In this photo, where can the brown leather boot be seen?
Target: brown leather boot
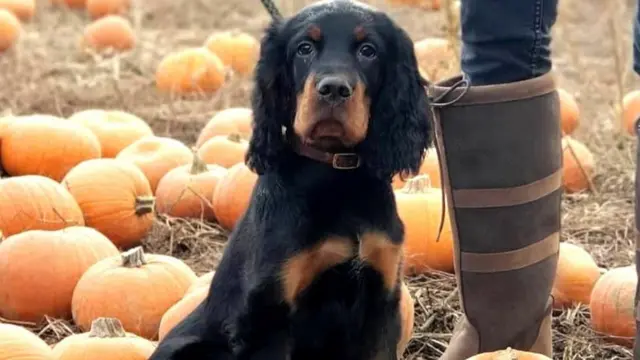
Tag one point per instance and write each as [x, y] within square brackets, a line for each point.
[501, 162]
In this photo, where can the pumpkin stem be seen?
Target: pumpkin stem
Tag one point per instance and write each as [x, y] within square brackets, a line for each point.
[417, 184]
[144, 205]
[234, 137]
[508, 354]
[104, 327]
[133, 258]
[197, 166]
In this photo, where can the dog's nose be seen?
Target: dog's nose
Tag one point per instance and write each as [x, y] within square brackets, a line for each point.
[334, 88]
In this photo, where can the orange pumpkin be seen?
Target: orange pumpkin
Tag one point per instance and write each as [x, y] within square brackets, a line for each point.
[100, 8]
[34, 202]
[23, 9]
[233, 194]
[10, 29]
[114, 129]
[420, 208]
[135, 287]
[229, 121]
[73, 4]
[186, 191]
[576, 274]
[51, 263]
[47, 146]
[180, 310]
[109, 32]
[225, 151]
[407, 315]
[435, 57]
[630, 111]
[509, 354]
[190, 70]
[115, 198]
[107, 339]
[17, 343]
[612, 305]
[236, 49]
[203, 280]
[156, 156]
[430, 166]
[578, 165]
[569, 112]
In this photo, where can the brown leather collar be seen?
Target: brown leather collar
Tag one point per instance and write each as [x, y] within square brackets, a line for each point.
[341, 161]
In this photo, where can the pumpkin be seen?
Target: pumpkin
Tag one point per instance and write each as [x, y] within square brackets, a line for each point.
[47, 146]
[431, 5]
[73, 4]
[51, 263]
[187, 190]
[509, 354]
[229, 121]
[100, 8]
[134, 287]
[407, 314]
[578, 165]
[569, 112]
[203, 280]
[156, 156]
[236, 49]
[34, 202]
[180, 310]
[435, 56]
[430, 166]
[109, 32]
[612, 305]
[576, 274]
[420, 208]
[107, 340]
[114, 129]
[10, 29]
[233, 194]
[23, 9]
[190, 70]
[115, 198]
[225, 151]
[630, 111]
[18, 343]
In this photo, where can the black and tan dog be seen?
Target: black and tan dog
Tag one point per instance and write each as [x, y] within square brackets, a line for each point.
[313, 268]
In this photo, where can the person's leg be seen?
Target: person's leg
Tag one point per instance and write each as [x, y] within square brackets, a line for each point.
[501, 160]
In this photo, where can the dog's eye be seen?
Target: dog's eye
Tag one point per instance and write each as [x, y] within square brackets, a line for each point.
[367, 50]
[305, 48]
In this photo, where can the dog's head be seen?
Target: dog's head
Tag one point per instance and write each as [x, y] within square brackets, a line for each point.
[340, 76]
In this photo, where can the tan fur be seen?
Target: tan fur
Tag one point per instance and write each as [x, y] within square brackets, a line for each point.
[377, 250]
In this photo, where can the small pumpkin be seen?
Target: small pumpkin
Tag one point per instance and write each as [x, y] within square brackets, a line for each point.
[51, 263]
[509, 354]
[236, 49]
[569, 112]
[109, 32]
[10, 29]
[578, 165]
[47, 146]
[100, 8]
[430, 166]
[23, 9]
[115, 198]
[203, 280]
[114, 129]
[73, 4]
[420, 209]
[224, 151]
[34, 202]
[407, 316]
[17, 343]
[156, 156]
[630, 111]
[181, 310]
[135, 287]
[233, 195]
[576, 275]
[612, 305]
[107, 339]
[236, 120]
[435, 57]
[190, 70]
[187, 190]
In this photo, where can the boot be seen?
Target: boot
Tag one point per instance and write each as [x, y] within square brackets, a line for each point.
[501, 162]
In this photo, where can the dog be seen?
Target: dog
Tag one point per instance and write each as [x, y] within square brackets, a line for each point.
[313, 268]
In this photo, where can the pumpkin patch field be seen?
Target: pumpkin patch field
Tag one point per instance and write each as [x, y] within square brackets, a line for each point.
[123, 129]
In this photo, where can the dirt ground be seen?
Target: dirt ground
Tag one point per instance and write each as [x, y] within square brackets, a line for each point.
[47, 73]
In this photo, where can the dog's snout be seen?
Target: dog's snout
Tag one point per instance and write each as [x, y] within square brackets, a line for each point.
[334, 88]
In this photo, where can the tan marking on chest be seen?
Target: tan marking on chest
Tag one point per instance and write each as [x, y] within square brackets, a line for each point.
[377, 250]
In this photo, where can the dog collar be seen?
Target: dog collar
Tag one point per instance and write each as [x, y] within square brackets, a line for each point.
[341, 161]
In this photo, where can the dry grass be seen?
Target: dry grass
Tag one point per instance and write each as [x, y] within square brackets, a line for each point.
[47, 73]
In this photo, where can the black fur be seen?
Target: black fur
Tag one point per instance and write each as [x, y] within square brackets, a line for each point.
[346, 313]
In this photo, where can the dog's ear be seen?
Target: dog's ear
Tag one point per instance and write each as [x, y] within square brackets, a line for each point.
[272, 101]
[400, 127]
